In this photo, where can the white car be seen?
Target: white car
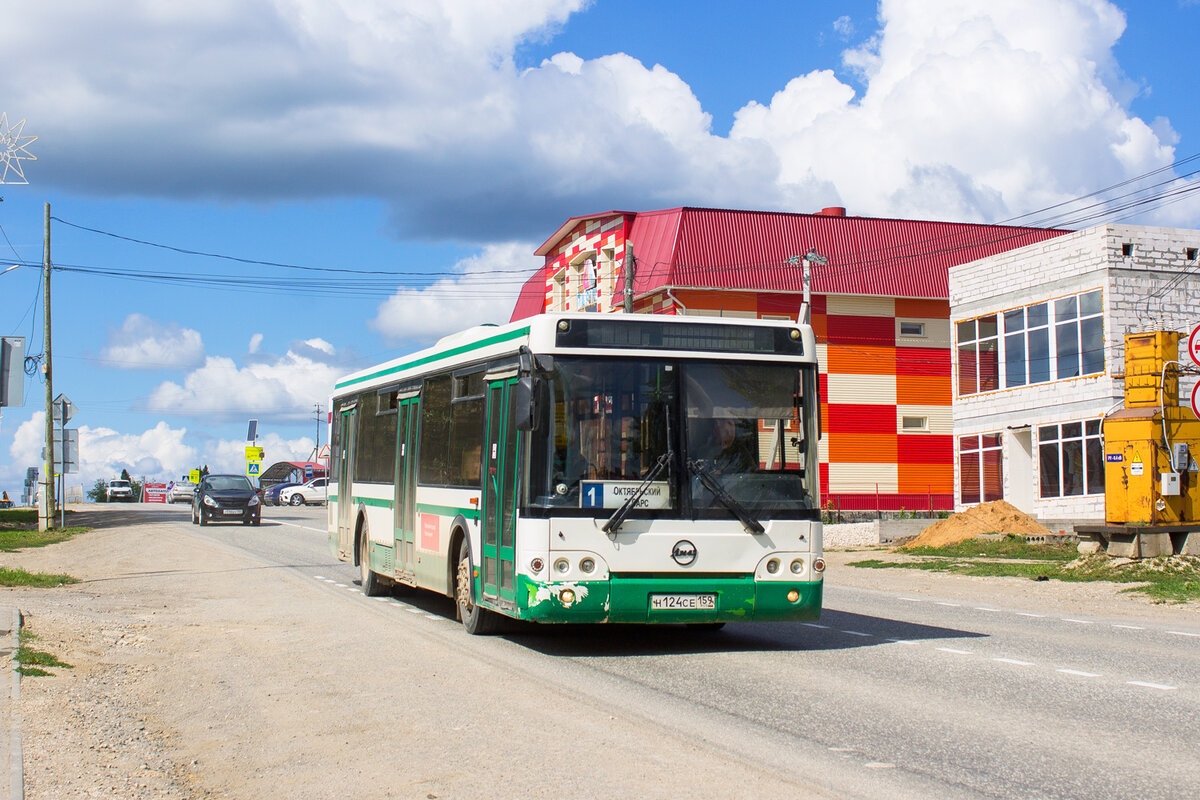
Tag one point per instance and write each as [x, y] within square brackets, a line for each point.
[181, 492]
[120, 491]
[311, 492]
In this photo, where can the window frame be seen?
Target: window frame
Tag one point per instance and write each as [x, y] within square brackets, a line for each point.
[1090, 452]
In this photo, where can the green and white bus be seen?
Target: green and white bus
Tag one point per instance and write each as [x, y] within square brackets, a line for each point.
[588, 468]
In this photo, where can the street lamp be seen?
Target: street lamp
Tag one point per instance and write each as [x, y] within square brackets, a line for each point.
[808, 259]
[10, 269]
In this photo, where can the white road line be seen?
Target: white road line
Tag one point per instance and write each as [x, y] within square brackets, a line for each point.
[1152, 685]
[956, 652]
[341, 585]
[815, 625]
[1080, 621]
[842, 750]
[857, 633]
[1130, 627]
[1079, 673]
[320, 577]
[1014, 661]
[981, 608]
[910, 599]
[879, 765]
[302, 527]
[1183, 633]
[412, 610]
[903, 641]
[943, 603]
[1027, 614]
[383, 599]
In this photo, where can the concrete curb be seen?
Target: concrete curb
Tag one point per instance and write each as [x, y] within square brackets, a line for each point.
[16, 762]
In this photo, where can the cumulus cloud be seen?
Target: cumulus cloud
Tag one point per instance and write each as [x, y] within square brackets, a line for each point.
[961, 110]
[144, 343]
[158, 453]
[286, 386]
[484, 291]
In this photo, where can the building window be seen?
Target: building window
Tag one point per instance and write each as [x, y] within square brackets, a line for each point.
[1071, 459]
[1127, 250]
[978, 356]
[980, 467]
[1026, 346]
[916, 329]
[1079, 335]
[558, 301]
[909, 424]
[1191, 253]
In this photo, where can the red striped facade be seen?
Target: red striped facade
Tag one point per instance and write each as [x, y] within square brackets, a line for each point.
[880, 311]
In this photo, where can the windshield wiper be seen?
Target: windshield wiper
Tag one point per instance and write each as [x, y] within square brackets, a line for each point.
[614, 522]
[748, 522]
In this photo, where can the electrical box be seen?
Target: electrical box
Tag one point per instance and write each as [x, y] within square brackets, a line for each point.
[1170, 484]
[1181, 458]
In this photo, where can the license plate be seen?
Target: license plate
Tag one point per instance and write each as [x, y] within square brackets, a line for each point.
[683, 602]
[232, 511]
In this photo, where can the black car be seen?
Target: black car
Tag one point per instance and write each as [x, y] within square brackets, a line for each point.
[226, 498]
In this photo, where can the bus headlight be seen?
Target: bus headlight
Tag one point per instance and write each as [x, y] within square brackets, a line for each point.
[773, 566]
[562, 566]
[588, 565]
[797, 566]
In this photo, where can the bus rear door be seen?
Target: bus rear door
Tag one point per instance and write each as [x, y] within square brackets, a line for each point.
[406, 489]
[347, 419]
[500, 486]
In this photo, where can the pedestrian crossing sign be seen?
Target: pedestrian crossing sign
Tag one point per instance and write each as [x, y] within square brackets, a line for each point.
[252, 468]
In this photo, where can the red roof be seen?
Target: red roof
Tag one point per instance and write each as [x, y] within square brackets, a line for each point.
[749, 250]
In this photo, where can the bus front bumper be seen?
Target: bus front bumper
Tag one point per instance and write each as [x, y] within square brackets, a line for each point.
[629, 599]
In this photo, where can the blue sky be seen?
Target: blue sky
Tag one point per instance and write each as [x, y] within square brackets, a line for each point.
[439, 143]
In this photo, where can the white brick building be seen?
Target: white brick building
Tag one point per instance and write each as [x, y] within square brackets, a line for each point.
[1039, 356]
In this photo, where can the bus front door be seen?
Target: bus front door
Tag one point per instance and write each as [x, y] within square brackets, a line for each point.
[406, 490]
[347, 419]
[500, 487]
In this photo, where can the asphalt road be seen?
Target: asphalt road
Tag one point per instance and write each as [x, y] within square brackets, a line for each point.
[889, 695]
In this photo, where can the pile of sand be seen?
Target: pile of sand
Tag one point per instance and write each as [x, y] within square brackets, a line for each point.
[994, 517]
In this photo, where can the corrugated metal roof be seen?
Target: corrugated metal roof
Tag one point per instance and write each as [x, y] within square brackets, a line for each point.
[748, 250]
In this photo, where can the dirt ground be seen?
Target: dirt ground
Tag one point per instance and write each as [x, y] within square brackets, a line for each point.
[201, 674]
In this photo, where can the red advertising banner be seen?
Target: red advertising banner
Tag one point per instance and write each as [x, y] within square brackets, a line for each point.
[154, 493]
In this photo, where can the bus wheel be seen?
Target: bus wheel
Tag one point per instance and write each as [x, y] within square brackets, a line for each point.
[478, 621]
[371, 585]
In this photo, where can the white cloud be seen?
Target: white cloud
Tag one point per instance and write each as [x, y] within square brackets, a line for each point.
[967, 111]
[255, 343]
[144, 343]
[287, 386]
[158, 453]
[843, 26]
[478, 295]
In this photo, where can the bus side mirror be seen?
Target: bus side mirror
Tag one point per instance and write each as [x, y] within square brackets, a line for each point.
[525, 404]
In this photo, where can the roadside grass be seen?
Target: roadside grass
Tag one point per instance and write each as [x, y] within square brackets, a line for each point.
[1174, 579]
[18, 516]
[15, 576]
[1011, 546]
[11, 540]
[33, 663]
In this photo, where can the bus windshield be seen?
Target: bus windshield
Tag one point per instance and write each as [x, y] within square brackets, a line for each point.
[738, 433]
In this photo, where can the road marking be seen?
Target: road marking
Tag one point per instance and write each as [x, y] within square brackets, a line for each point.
[1014, 661]
[1079, 673]
[1183, 633]
[943, 603]
[857, 633]
[302, 527]
[1027, 614]
[1151, 685]
[879, 765]
[341, 585]
[320, 577]
[956, 652]
[1130, 627]
[842, 750]
[815, 625]
[981, 608]
[1080, 621]
[412, 610]
[911, 599]
[903, 641]
[383, 599]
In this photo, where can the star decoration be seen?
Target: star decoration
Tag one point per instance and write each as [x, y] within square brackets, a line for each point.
[13, 150]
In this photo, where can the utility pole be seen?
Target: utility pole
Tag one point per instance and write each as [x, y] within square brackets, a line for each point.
[46, 508]
[630, 266]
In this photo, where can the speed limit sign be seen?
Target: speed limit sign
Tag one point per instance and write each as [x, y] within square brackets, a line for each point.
[1194, 345]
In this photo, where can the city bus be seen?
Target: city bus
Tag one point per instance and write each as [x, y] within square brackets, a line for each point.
[590, 468]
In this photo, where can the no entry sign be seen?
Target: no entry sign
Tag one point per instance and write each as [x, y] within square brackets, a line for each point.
[1194, 345]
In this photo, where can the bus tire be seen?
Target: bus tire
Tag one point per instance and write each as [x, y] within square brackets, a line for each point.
[372, 586]
[477, 620]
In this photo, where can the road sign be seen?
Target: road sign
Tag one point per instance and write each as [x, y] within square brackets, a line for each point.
[1194, 345]
[72, 450]
[308, 472]
[253, 468]
[1196, 400]
[62, 404]
[194, 476]
[254, 453]
[12, 371]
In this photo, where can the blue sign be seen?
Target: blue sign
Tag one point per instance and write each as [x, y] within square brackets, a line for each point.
[308, 472]
[591, 495]
[1114, 457]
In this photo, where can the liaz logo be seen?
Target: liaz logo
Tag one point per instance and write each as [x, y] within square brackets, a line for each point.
[683, 553]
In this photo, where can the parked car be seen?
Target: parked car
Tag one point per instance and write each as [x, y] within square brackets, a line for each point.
[119, 490]
[181, 491]
[271, 495]
[226, 498]
[312, 492]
